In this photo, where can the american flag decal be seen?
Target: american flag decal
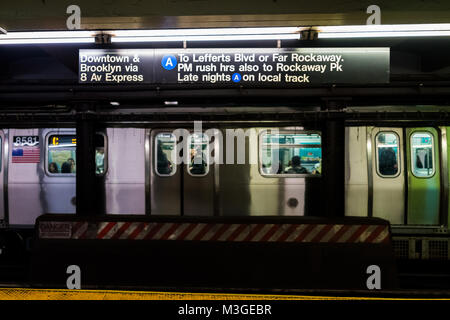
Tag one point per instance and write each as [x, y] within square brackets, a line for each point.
[26, 154]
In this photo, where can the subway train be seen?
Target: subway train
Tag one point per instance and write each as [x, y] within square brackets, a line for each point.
[400, 174]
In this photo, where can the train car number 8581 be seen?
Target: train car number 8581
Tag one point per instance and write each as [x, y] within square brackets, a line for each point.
[26, 141]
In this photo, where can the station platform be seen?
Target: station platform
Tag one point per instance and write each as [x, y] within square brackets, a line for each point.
[65, 294]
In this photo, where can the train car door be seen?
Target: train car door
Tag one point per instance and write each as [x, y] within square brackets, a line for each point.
[59, 169]
[180, 188]
[198, 179]
[388, 174]
[3, 162]
[165, 177]
[423, 176]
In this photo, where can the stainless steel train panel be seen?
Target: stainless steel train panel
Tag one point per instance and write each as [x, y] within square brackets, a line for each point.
[125, 176]
[180, 193]
[388, 190]
[198, 192]
[32, 191]
[231, 189]
[198, 186]
[262, 200]
[367, 191]
[356, 174]
[244, 191]
[424, 176]
[58, 191]
[24, 190]
[165, 191]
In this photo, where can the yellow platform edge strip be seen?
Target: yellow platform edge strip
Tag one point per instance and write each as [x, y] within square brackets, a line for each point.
[64, 294]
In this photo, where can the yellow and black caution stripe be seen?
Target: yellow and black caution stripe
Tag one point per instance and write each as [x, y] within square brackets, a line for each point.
[64, 294]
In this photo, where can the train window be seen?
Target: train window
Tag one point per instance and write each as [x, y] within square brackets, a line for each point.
[290, 154]
[100, 163]
[61, 154]
[198, 151]
[387, 145]
[165, 154]
[422, 154]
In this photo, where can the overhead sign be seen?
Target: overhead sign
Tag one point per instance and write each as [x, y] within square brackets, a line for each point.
[247, 67]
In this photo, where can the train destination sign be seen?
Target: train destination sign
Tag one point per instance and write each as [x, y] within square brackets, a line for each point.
[248, 67]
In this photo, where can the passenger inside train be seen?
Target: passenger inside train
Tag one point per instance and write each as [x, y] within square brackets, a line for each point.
[387, 156]
[296, 166]
[53, 167]
[317, 168]
[197, 165]
[72, 165]
[291, 153]
[388, 162]
[100, 160]
[66, 167]
[163, 164]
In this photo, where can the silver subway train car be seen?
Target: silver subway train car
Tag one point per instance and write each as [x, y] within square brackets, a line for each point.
[137, 182]
[396, 173]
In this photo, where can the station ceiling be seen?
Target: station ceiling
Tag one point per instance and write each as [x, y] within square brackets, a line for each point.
[138, 14]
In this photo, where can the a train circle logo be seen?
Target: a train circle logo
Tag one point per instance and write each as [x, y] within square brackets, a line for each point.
[236, 77]
[169, 62]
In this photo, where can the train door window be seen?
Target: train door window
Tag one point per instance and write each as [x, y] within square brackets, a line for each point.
[198, 151]
[290, 154]
[165, 144]
[422, 154]
[387, 145]
[61, 154]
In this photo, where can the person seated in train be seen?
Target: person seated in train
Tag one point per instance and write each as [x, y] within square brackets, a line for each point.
[317, 168]
[198, 165]
[52, 167]
[66, 167]
[196, 152]
[163, 164]
[422, 160]
[100, 160]
[296, 166]
[388, 161]
[72, 165]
